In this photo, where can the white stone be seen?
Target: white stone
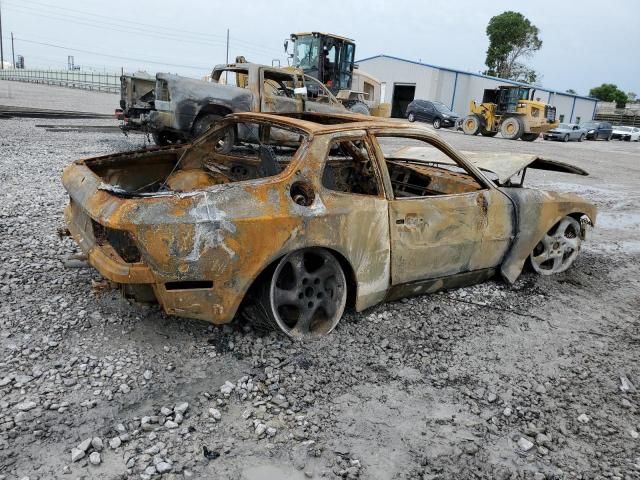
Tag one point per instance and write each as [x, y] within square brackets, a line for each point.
[507, 412]
[94, 458]
[583, 418]
[227, 388]
[124, 388]
[260, 429]
[215, 413]
[26, 406]
[524, 444]
[171, 424]
[96, 443]
[147, 374]
[85, 444]
[181, 407]
[76, 454]
[163, 467]
[115, 442]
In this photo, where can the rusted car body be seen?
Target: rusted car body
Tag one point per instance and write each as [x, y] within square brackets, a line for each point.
[336, 220]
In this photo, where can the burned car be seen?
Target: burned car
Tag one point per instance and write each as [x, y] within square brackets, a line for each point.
[306, 214]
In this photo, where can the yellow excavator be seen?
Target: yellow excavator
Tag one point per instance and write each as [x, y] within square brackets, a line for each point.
[512, 111]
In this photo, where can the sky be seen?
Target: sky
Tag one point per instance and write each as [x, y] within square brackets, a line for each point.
[585, 43]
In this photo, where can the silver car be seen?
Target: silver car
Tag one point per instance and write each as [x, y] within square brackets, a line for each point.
[566, 132]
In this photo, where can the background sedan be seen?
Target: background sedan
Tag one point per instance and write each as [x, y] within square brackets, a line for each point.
[596, 130]
[566, 132]
[630, 134]
[436, 113]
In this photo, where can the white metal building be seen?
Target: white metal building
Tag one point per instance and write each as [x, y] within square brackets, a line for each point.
[403, 80]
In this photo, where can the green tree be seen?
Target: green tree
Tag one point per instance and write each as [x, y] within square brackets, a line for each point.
[632, 96]
[608, 92]
[512, 37]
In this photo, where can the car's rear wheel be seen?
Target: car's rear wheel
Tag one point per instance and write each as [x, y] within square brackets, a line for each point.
[608, 137]
[307, 293]
[436, 123]
[565, 138]
[558, 249]
[411, 117]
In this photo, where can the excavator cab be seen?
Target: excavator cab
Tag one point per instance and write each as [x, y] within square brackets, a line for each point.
[327, 57]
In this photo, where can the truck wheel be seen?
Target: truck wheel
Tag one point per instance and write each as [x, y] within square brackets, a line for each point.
[512, 128]
[202, 124]
[471, 124]
[530, 137]
[356, 106]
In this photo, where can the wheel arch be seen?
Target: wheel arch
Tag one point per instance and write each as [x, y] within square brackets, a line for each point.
[347, 268]
[535, 220]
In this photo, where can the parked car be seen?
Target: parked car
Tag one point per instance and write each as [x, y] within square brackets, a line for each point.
[630, 134]
[566, 132]
[596, 130]
[358, 211]
[436, 113]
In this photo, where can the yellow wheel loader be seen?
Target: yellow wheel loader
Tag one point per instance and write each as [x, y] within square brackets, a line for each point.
[512, 111]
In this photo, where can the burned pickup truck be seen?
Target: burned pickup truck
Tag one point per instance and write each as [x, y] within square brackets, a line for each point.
[184, 108]
[357, 211]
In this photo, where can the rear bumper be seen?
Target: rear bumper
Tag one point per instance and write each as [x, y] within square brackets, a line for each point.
[103, 258]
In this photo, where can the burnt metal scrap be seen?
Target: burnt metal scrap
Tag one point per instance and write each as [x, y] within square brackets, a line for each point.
[297, 216]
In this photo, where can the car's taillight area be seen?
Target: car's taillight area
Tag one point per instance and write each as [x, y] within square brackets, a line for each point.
[122, 242]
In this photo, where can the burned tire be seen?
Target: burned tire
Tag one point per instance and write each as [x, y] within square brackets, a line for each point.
[558, 249]
[164, 138]
[356, 106]
[512, 128]
[202, 124]
[471, 124]
[306, 294]
[530, 137]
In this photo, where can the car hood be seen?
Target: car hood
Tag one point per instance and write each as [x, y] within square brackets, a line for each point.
[503, 165]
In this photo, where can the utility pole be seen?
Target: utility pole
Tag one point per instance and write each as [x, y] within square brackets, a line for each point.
[226, 74]
[13, 53]
[1, 49]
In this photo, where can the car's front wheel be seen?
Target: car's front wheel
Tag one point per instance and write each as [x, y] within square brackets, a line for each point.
[411, 117]
[558, 249]
[436, 123]
[582, 137]
[565, 138]
[306, 294]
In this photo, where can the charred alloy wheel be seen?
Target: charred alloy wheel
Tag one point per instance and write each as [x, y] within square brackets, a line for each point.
[558, 248]
[308, 293]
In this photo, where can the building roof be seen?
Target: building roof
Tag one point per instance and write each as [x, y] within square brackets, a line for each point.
[502, 80]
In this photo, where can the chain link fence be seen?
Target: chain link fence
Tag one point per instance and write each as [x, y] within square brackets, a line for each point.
[99, 82]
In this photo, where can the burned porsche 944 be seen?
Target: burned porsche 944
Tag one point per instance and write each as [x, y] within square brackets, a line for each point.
[306, 214]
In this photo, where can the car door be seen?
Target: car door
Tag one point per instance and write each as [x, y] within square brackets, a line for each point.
[575, 132]
[429, 112]
[445, 218]
[277, 91]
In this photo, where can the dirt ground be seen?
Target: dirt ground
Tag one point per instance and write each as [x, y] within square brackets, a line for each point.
[533, 381]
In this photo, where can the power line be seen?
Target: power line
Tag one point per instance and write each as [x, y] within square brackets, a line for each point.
[113, 56]
[182, 35]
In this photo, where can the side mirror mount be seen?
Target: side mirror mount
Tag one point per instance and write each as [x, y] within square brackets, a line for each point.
[300, 91]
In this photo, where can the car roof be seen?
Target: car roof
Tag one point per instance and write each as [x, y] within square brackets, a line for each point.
[320, 123]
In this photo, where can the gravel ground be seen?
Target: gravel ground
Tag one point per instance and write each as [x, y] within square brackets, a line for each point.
[533, 381]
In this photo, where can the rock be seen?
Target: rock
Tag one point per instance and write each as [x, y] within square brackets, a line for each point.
[583, 418]
[171, 424]
[524, 444]
[150, 470]
[540, 389]
[77, 454]
[507, 412]
[271, 431]
[163, 467]
[626, 385]
[181, 408]
[147, 374]
[634, 433]
[492, 397]
[115, 442]
[96, 443]
[124, 388]
[227, 388]
[85, 444]
[94, 458]
[166, 411]
[26, 406]
[260, 429]
[215, 413]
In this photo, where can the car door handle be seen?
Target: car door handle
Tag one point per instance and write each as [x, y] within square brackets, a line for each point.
[411, 220]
